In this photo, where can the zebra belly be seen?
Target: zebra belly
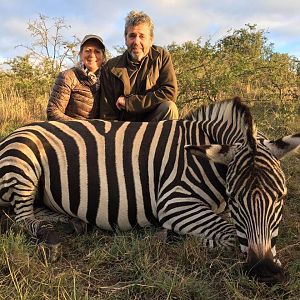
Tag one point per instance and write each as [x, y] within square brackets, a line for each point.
[107, 214]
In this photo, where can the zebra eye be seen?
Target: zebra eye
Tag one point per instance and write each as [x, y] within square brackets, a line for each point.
[231, 201]
[234, 204]
[281, 198]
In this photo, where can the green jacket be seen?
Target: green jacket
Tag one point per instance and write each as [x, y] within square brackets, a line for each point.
[156, 84]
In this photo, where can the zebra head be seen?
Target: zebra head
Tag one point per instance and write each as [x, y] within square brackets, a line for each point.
[256, 188]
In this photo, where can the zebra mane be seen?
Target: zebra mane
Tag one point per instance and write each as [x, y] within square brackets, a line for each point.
[232, 113]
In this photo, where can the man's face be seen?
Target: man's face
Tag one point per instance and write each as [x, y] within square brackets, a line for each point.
[138, 41]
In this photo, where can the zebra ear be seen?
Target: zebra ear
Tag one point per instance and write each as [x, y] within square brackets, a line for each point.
[222, 154]
[284, 145]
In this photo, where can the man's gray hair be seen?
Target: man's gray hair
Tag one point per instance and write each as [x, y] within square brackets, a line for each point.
[135, 18]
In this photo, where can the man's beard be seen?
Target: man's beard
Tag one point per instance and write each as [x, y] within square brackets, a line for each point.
[136, 56]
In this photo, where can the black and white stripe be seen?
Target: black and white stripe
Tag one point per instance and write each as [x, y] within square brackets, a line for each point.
[131, 174]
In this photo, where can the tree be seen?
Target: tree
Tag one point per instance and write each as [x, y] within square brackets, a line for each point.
[242, 63]
[192, 64]
[33, 74]
[30, 81]
[50, 49]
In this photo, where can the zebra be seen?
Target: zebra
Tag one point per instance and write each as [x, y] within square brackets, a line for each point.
[181, 175]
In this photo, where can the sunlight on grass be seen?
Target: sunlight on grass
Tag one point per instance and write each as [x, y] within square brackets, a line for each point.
[15, 111]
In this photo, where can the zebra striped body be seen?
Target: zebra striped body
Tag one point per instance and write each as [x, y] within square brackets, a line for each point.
[76, 167]
[130, 174]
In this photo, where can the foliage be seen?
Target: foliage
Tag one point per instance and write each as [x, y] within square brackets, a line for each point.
[242, 63]
[33, 74]
[28, 80]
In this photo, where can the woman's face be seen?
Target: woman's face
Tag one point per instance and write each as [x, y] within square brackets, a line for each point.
[91, 55]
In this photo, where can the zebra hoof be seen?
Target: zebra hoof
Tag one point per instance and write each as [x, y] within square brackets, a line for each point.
[169, 236]
[50, 253]
[47, 234]
[173, 237]
[79, 226]
[49, 242]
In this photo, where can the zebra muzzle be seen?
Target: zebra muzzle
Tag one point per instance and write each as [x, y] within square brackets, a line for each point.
[265, 269]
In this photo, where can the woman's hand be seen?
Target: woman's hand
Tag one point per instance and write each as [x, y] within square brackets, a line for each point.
[120, 103]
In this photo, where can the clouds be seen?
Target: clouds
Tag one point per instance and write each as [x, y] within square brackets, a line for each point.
[175, 20]
[280, 18]
[11, 33]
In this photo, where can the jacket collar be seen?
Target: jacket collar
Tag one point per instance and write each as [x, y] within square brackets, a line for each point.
[120, 68]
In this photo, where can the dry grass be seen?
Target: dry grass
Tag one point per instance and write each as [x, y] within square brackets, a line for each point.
[15, 111]
[135, 265]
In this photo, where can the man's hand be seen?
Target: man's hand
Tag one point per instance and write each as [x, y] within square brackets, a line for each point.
[120, 103]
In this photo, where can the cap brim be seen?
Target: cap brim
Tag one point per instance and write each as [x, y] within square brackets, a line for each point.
[93, 38]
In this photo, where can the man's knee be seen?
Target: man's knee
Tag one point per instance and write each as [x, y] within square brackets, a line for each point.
[164, 111]
[167, 110]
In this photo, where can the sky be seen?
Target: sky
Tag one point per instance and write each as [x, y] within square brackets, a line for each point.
[174, 20]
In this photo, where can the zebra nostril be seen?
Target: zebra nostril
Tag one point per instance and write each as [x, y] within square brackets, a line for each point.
[266, 271]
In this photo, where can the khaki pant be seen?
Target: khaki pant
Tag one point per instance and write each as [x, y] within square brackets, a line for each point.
[164, 111]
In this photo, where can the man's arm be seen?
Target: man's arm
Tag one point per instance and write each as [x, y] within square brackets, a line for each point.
[164, 89]
[108, 109]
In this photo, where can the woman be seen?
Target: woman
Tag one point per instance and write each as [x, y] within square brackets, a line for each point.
[75, 94]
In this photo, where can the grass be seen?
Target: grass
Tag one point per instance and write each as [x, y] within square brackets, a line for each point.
[15, 111]
[138, 264]
[134, 265]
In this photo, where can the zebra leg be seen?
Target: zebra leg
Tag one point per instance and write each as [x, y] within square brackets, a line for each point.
[45, 235]
[173, 237]
[73, 224]
[169, 236]
[40, 230]
[189, 217]
[18, 187]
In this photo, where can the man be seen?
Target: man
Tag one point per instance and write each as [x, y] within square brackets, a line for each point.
[140, 84]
